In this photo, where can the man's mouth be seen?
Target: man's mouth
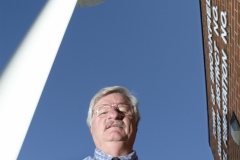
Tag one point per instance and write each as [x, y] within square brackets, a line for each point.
[110, 124]
[113, 125]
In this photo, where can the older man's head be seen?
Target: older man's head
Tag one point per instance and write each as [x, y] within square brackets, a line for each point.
[113, 118]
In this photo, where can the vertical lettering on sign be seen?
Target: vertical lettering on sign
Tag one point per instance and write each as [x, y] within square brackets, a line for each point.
[224, 155]
[213, 96]
[214, 122]
[223, 26]
[219, 135]
[211, 67]
[217, 75]
[224, 96]
[215, 19]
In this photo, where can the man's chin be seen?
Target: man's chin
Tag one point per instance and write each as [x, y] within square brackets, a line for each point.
[116, 139]
[115, 135]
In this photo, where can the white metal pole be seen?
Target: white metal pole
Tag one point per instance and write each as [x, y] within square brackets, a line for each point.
[23, 79]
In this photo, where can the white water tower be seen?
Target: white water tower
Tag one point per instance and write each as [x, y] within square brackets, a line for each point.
[23, 79]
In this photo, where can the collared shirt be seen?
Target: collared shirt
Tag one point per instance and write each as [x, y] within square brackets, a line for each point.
[100, 155]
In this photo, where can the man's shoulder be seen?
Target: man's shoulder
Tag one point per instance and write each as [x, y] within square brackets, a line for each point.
[88, 158]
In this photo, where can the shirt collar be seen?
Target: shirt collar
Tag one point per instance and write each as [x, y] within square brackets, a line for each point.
[100, 155]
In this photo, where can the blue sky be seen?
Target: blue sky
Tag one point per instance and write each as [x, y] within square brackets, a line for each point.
[154, 48]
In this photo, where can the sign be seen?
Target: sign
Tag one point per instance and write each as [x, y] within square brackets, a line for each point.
[218, 73]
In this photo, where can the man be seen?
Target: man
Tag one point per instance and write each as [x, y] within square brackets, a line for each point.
[113, 118]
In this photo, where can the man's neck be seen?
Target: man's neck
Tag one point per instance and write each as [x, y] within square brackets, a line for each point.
[116, 149]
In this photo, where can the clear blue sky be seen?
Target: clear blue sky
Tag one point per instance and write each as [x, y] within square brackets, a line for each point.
[154, 48]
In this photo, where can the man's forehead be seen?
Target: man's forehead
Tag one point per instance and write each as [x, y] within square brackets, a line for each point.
[112, 98]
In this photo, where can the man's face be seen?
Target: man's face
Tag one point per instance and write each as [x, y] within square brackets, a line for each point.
[106, 129]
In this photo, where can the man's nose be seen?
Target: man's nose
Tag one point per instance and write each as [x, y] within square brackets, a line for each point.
[114, 113]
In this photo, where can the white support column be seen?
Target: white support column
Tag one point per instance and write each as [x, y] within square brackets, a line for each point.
[23, 79]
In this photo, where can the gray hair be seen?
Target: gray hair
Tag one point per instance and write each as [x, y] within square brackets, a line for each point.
[114, 89]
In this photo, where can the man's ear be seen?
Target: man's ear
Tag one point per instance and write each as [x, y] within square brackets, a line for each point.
[90, 128]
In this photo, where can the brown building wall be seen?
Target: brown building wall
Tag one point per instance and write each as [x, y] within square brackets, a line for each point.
[226, 15]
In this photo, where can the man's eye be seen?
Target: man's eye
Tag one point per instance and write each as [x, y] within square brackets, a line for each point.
[102, 113]
[124, 110]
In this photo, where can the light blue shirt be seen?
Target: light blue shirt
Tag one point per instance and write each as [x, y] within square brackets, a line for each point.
[100, 155]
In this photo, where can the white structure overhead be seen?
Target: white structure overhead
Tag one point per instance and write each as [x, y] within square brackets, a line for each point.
[88, 3]
[23, 79]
